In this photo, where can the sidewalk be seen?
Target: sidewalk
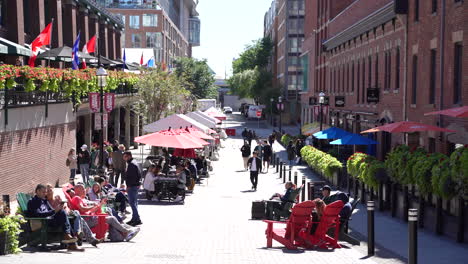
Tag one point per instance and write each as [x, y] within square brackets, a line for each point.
[391, 234]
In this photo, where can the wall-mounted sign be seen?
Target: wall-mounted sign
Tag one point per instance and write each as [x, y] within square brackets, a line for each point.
[109, 101]
[373, 95]
[339, 101]
[94, 102]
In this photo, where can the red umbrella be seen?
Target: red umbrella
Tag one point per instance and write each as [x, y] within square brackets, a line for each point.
[198, 133]
[406, 126]
[455, 112]
[195, 139]
[185, 153]
[168, 139]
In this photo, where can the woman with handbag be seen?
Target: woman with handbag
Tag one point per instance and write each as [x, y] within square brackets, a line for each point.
[72, 163]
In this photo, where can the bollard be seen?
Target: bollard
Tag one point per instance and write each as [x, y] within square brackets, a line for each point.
[413, 236]
[281, 169]
[303, 188]
[273, 157]
[295, 178]
[290, 172]
[370, 228]
[284, 172]
[277, 163]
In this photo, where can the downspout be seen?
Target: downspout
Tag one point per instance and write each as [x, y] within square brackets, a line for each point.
[441, 64]
[405, 76]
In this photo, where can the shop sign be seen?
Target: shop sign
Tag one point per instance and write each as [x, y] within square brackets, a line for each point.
[94, 102]
[109, 101]
[339, 101]
[373, 95]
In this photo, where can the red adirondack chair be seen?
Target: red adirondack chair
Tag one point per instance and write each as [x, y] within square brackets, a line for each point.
[330, 219]
[289, 236]
[101, 228]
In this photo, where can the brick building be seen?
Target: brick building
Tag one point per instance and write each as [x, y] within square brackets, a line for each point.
[35, 136]
[360, 53]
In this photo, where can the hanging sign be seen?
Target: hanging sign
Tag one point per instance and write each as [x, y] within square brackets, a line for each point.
[109, 101]
[105, 119]
[94, 102]
[97, 121]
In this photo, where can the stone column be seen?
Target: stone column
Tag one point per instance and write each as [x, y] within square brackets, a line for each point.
[110, 42]
[88, 129]
[36, 13]
[93, 25]
[127, 127]
[14, 21]
[117, 124]
[83, 25]
[103, 38]
[69, 23]
[136, 129]
[118, 47]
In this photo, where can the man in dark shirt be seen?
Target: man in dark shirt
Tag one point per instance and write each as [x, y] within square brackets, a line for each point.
[38, 206]
[84, 159]
[255, 166]
[133, 174]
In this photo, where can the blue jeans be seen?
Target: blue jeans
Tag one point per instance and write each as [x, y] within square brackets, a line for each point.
[72, 175]
[84, 168]
[61, 219]
[133, 201]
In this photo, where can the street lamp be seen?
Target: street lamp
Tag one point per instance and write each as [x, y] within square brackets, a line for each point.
[101, 75]
[271, 110]
[280, 108]
[321, 102]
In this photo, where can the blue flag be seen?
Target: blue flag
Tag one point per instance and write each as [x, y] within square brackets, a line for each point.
[75, 56]
[124, 60]
[150, 63]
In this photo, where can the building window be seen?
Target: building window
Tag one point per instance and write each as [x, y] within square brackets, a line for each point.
[358, 80]
[434, 6]
[432, 77]
[397, 68]
[352, 76]
[388, 70]
[293, 61]
[2, 12]
[363, 79]
[135, 22]
[415, 80]
[153, 39]
[416, 10]
[150, 20]
[369, 74]
[376, 71]
[348, 86]
[136, 41]
[458, 74]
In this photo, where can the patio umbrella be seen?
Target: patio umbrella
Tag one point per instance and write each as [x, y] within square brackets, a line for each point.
[215, 113]
[354, 139]
[406, 126]
[168, 139]
[331, 133]
[455, 112]
[63, 54]
[194, 138]
[198, 133]
[185, 153]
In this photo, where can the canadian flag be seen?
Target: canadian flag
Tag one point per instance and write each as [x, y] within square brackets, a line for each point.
[88, 48]
[42, 40]
[141, 59]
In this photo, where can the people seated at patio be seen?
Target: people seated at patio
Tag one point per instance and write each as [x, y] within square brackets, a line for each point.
[281, 199]
[329, 198]
[38, 206]
[79, 202]
[317, 214]
[179, 190]
[107, 188]
[290, 186]
[95, 193]
[154, 172]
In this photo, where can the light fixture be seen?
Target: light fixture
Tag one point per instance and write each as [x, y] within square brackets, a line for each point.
[101, 74]
[321, 97]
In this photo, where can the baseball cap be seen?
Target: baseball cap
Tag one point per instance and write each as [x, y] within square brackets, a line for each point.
[84, 146]
[326, 187]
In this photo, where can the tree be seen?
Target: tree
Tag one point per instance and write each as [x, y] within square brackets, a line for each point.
[161, 93]
[197, 73]
[255, 55]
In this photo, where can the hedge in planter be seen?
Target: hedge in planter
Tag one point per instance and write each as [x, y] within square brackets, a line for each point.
[443, 184]
[11, 226]
[459, 170]
[321, 161]
[364, 168]
[396, 163]
[422, 171]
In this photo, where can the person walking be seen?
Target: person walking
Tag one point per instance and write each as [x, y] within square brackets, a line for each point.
[267, 153]
[84, 158]
[72, 163]
[133, 177]
[250, 137]
[245, 150]
[118, 165]
[298, 147]
[271, 138]
[291, 152]
[255, 166]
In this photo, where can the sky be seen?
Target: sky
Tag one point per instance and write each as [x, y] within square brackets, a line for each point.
[227, 26]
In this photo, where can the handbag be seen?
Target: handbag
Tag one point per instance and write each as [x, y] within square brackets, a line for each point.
[67, 162]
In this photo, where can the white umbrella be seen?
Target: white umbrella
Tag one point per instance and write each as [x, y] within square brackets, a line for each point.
[175, 121]
[207, 122]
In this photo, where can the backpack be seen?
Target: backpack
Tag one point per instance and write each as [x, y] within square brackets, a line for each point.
[67, 162]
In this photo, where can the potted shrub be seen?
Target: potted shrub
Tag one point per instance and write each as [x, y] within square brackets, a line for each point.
[10, 228]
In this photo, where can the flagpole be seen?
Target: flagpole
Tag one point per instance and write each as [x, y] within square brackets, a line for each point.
[47, 70]
[50, 43]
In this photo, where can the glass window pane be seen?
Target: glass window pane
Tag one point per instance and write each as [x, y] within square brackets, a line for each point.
[136, 41]
[150, 20]
[135, 22]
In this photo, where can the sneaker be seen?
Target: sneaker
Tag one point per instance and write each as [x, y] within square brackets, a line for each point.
[135, 223]
[97, 241]
[132, 234]
[67, 239]
[73, 247]
[178, 199]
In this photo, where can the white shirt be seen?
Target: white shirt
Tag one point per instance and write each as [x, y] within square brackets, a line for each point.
[253, 166]
[148, 183]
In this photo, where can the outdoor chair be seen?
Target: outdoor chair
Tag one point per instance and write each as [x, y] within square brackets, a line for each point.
[330, 219]
[285, 210]
[37, 231]
[289, 236]
[344, 222]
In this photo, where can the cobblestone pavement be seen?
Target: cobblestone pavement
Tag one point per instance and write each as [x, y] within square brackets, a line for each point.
[213, 226]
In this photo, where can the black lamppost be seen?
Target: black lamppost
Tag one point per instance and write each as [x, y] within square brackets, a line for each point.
[271, 110]
[280, 108]
[101, 75]
[321, 102]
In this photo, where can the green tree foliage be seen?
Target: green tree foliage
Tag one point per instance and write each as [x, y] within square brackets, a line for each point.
[255, 55]
[198, 74]
[161, 93]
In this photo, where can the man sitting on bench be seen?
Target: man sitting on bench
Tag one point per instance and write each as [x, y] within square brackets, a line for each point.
[38, 206]
[281, 199]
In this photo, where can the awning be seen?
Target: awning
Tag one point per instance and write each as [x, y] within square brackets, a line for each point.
[3, 49]
[14, 48]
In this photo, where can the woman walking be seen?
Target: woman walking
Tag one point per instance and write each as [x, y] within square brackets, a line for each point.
[72, 164]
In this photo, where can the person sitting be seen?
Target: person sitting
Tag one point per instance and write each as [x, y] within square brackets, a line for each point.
[329, 198]
[107, 188]
[182, 180]
[38, 206]
[281, 199]
[317, 214]
[95, 193]
[125, 231]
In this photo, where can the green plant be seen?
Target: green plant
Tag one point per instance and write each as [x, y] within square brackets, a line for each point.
[396, 163]
[413, 158]
[321, 161]
[422, 171]
[442, 181]
[286, 138]
[11, 225]
[365, 168]
[459, 169]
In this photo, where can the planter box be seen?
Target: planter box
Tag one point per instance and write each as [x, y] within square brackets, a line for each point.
[4, 248]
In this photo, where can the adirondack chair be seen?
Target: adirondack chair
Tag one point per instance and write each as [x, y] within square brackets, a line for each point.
[344, 222]
[330, 219]
[101, 228]
[289, 236]
[38, 231]
[285, 211]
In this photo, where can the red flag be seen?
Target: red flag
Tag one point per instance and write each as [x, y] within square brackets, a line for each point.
[141, 59]
[88, 48]
[42, 40]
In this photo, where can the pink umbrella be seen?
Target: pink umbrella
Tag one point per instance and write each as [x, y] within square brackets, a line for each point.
[406, 126]
[168, 139]
[195, 139]
[455, 112]
[198, 133]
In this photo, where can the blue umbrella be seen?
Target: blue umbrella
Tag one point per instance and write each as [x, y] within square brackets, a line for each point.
[354, 139]
[332, 133]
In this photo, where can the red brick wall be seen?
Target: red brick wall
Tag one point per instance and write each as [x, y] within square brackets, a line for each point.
[33, 156]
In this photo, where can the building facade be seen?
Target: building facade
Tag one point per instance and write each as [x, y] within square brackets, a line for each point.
[364, 56]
